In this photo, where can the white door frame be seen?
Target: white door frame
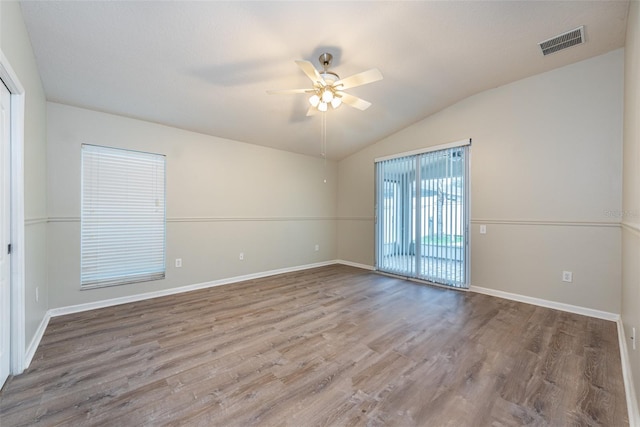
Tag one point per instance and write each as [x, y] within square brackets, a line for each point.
[17, 341]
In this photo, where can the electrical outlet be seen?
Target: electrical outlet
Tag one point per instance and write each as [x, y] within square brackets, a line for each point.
[241, 256]
[483, 229]
[317, 247]
[567, 276]
[37, 294]
[178, 262]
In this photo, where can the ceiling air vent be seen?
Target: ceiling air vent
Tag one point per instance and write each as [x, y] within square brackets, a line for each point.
[563, 41]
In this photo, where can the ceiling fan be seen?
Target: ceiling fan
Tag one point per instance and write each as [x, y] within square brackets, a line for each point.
[328, 88]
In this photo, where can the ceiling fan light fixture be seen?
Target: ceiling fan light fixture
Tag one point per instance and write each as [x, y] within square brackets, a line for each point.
[328, 87]
[327, 96]
[314, 100]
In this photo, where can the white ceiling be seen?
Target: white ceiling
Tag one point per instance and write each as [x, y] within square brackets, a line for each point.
[206, 66]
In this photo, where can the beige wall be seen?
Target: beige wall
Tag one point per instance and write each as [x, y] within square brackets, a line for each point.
[15, 44]
[223, 197]
[631, 192]
[546, 161]
[546, 167]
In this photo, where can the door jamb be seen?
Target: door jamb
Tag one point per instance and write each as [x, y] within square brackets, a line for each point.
[17, 339]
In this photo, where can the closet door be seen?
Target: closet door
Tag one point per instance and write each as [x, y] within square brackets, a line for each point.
[5, 231]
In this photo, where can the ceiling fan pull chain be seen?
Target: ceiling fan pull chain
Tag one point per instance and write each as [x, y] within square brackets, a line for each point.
[323, 144]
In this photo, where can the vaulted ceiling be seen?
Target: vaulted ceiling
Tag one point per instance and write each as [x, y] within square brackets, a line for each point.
[206, 66]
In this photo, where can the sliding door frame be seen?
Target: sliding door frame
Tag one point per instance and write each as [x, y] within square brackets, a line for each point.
[466, 220]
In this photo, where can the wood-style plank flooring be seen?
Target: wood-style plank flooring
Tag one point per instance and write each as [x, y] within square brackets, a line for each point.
[332, 346]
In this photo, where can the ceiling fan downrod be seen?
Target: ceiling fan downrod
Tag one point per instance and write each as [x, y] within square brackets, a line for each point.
[325, 60]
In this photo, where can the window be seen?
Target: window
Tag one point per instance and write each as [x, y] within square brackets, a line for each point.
[422, 215]
[123, 227]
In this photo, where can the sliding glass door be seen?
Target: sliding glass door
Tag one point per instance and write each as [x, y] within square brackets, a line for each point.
[422, 219]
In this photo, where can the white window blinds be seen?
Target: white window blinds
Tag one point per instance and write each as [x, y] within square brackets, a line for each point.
[123, 216]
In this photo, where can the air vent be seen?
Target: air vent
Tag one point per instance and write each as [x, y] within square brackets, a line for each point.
[563, 41]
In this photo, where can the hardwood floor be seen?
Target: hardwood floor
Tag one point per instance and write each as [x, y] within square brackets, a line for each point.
[329, 346]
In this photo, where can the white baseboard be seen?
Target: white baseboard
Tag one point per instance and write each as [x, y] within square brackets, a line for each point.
[627, 375]
[354, 264]
[35, 341]
[60, 311]
[548, 304]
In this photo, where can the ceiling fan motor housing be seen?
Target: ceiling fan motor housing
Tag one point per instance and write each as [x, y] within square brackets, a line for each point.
[325, 60]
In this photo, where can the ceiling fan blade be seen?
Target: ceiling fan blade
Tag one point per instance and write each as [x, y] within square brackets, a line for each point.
[312, 111]
[311, 72]
[363, 78]
[289, 91]
[354, 101]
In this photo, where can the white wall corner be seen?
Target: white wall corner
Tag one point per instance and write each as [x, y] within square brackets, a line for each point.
[627, 375]
[35, 342]
[584, 311]
[355, 264]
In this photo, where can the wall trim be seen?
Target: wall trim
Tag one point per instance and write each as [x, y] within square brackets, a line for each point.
[35, 341]
[355, 264]
[627, 376]
[598, 314]
[256, 219]
[544, 222]
[355, 218]
[628, 226]
[517, 222]
[34, 221]
[207, 219]
[632, 228]
[63, 219]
